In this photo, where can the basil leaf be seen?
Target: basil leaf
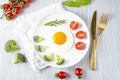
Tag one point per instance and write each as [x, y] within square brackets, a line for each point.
[72, 3]
[85, 2]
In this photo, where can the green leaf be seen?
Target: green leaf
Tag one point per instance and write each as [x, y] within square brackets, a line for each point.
[86, 2]
[18, 0]
[56, 75]
[55, 23]
[7, 18]
[26, 0]
[77, 3]
[79, 77]
[14, 12]
[12, 0]
[21, 4]
[72, 4]
[1, 6]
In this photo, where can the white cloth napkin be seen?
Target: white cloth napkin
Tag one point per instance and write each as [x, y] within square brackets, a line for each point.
[24, 27]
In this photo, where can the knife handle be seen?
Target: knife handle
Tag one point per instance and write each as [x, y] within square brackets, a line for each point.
[93, 56]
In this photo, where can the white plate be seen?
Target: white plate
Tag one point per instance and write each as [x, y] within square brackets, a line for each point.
[71, 56]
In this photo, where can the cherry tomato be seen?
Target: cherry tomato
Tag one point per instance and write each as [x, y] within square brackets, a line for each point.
[80, 46]
[61, 75]
[22, 4]
[80, 34]
[6, 7]
[9, 16]
[79, 72]
[74, 25]
[28, 1]
[16, 10]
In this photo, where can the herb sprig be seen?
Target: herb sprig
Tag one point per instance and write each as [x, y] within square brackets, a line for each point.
[55, 22]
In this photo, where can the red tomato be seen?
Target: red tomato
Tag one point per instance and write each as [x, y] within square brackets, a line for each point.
[16, 10]
[61, 75]
[79, 72]
[6, 7]
[22, 4]
[9, 16]
[80, 46]
[80, 34]
[74, 25]
[28, 1]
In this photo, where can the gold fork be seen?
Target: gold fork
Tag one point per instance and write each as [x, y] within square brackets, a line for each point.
[101, 27]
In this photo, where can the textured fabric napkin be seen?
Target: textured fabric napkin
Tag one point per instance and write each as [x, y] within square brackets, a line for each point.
[24, 27]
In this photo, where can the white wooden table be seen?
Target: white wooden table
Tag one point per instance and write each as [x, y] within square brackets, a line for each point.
[108, 55]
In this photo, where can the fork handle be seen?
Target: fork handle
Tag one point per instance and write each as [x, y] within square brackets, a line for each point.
[93, 56]
[97, 42]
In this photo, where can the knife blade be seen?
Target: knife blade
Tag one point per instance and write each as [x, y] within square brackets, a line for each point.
[93, 25]
[93, 34]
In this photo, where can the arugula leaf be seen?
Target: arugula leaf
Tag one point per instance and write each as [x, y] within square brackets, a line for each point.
[55, 23]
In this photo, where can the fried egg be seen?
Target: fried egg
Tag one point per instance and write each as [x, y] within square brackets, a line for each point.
[61, 40]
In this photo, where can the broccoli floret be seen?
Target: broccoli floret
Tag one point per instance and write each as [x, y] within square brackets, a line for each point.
[38, 39]
[19, 58]
[59, 59]
[48, 57]
[11, 46]
[41, 48]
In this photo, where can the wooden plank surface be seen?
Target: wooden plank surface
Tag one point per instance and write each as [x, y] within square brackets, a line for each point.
[108, 55]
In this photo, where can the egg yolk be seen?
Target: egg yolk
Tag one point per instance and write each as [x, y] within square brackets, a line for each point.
[59, 38]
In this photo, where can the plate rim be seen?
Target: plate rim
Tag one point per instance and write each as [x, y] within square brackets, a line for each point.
[88, 40]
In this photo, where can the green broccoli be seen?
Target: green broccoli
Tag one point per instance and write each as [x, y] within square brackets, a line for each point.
[19, 58]
[41, 48]
[11, 46]
[48, 57]
[59, 59]
[38, 39]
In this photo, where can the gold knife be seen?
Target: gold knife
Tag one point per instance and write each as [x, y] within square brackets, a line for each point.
[93, 33]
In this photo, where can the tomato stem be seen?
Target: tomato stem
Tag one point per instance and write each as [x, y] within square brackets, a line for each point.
[12, 6]
[9, 9]
[79, 77]
[2, 16]
[56, 75]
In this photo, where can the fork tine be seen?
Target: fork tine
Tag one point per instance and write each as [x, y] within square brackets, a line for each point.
[101, 19]
[104, 18]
